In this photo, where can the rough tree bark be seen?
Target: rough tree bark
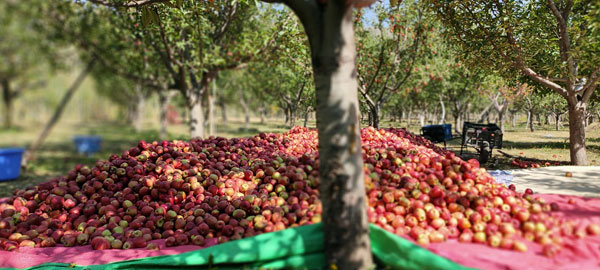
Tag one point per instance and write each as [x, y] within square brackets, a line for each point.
[196, 116]
[30, 154]
[577, 130]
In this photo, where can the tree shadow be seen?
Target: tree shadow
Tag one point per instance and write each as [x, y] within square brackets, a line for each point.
[547, 179]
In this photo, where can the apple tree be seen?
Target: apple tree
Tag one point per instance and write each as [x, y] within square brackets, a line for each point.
[25, 50]
[551, 42]
[389, 50]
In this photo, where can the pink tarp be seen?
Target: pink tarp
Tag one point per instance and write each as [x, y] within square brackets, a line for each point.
[577, 254]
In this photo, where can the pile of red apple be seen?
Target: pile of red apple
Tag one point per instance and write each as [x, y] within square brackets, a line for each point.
[517, 162]
[216, 190]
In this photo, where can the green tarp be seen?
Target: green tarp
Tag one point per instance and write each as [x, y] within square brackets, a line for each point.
[296, 248]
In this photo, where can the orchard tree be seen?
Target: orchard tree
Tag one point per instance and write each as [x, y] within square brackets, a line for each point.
[551, 42]
[200, 39]
[285, 74]
[555, 106]
[389, 50]
[502, 94]
[24, 51]
[195, 40]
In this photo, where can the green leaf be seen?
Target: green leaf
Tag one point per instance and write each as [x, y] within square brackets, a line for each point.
[145, 17]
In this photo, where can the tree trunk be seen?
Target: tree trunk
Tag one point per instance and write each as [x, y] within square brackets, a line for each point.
[530, 121]
[501, 119]
[443, 107]
[374, 116]
[306, 113]
[137, 113]
[30, 155]
[263, 113]
[400, 115]
[577, 132]
[422, 118]
[164, 97]
[292, 116]
[408, 117]
[211, 109]
[286, 110]
[196, 115]
[223, 110]
[7, 98]
[345, 225]
[456, 128]
[557, 121]
[246, 112]
[513, 119]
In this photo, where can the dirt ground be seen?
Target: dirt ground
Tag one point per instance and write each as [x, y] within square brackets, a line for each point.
[585, 180]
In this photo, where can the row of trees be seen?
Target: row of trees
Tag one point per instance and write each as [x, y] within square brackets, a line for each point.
[415, 57]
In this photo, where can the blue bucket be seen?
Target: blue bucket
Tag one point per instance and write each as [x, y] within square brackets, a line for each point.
[10, 163]
[502, 177]
[87, 144]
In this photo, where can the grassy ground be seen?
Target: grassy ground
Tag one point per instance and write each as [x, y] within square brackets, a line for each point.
[543, 144]
[58, 155]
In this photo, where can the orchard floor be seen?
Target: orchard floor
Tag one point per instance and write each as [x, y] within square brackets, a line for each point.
[585, 180]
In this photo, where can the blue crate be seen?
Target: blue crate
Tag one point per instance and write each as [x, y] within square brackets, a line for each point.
[438, 133]
[10, 163]
[447, 131]
[87, 144]
[502, 177]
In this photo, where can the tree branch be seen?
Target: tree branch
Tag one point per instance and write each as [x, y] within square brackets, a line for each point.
[219, 34]
[591, 85]
[565, 46]
[168, 49]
